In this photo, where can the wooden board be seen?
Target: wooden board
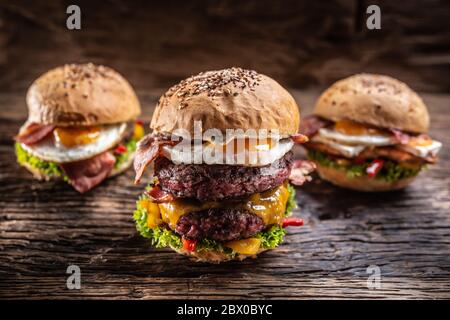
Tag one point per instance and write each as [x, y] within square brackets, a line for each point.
[45, 227]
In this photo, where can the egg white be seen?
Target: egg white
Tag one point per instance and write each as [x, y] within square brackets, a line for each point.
[364, 139]
[264, 156]
[345, 150]
[423, 151]
[49, 150]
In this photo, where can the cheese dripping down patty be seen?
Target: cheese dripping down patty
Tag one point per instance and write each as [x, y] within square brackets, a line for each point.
[270, 206]
[244, 152]
[69, 144]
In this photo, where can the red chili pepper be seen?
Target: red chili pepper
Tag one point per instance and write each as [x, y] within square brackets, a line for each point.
[120, 149]
[295, 222]
[189, 245]
[140, 122]
[374, 167]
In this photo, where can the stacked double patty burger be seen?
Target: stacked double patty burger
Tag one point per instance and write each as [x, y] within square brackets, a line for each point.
[81, 126]
[369, 133]
[217, 209]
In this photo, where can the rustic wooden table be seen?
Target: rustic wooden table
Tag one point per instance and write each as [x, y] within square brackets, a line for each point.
[45, 227]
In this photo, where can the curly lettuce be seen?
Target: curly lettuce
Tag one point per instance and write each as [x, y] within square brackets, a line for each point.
[291, 203]
[272, 237]
[390, 172]
[46, 168]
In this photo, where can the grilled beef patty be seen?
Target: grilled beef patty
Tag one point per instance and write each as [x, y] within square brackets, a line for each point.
[220, 224]
[216, 182]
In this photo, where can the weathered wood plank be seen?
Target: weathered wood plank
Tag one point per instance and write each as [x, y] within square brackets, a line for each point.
[47, 226]
[44, 227]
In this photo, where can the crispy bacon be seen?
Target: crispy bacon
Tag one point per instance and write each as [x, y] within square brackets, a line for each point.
[300, 171]
[299, 138]
[148, 149]
[158, 195]
[86, 174]
[33, 133]
[309, 125]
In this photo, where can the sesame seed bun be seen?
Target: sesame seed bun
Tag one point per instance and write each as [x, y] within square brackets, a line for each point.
[377, 100]
[81, 94]
[227, 99]
[363, 183]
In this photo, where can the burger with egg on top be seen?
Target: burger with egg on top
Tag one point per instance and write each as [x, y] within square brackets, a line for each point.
[82, 126]
[369, 133]
[237, 203]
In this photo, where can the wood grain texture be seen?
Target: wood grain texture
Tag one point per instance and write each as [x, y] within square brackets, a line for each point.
[44, 227]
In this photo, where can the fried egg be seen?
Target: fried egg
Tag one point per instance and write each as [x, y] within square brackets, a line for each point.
[363, 139]
[74, 144]
[346, 150]
[423, 151]
[213, 153]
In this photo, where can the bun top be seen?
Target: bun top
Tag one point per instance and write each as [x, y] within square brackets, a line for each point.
[227, 99]
[377, 100]
[81, 94]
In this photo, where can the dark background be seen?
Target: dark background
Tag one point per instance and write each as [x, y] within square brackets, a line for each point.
[305, 45]
[299, 43]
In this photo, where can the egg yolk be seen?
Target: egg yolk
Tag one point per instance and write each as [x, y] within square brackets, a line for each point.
[240, 144]
[75, 136]
[354, 128]
[420, 141]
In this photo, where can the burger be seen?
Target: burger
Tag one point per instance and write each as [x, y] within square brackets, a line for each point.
[82, 126]
[369, 133]
[237, 203]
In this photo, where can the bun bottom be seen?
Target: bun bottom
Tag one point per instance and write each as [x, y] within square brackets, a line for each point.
[364, 183]
[39, 175]
[211, 256]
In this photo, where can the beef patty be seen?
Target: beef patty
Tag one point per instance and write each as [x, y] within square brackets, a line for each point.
[220, 224]
[216, 182]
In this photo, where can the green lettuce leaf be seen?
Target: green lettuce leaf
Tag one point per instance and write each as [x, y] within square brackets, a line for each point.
[271, 238]
[47, 168]
[291, 203]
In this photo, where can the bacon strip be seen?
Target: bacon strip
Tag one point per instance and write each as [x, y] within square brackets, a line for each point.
[299, 138]
[158, 195]
[400, 136]
[86, 174]
[33, 133]
[148, 149]
[311, 124]
[300, 171]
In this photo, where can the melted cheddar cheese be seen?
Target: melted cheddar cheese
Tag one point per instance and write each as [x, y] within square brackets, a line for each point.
[245, 246]
[270, 206]
[138, 131]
